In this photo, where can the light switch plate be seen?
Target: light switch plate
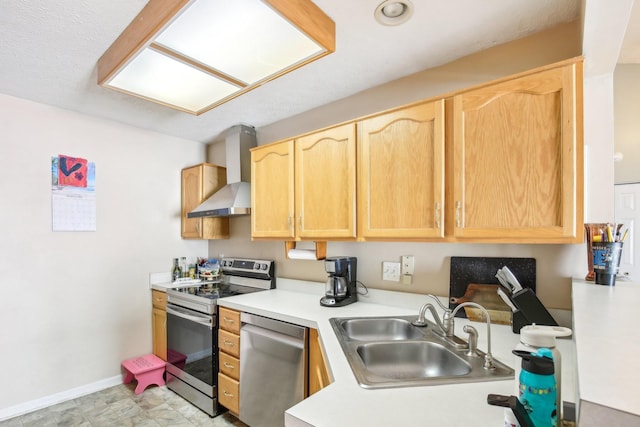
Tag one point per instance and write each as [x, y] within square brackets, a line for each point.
[391, 271]
[408, 263]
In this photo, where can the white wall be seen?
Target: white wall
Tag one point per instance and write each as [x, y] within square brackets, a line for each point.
[73, 305]
[555, 263]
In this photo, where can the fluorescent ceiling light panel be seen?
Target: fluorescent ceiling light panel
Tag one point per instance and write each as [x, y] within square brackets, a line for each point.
[241, 38]
[156, 76]
[194, 55]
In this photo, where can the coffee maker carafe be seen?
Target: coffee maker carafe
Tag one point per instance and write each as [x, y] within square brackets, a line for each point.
[341, 287]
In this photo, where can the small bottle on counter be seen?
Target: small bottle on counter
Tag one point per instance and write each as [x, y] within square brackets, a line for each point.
[183, 267]
[176, 272]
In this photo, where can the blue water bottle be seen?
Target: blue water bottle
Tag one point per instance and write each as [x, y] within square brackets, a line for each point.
[538, 386]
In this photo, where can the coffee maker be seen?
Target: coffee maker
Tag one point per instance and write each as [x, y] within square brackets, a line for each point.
[341, 288]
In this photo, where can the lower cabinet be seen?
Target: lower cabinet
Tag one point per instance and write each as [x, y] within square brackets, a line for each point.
[318, 371]
[229, 393]
[159, 323]
[229, 359]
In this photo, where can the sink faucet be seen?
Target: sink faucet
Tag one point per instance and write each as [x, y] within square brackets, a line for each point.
[446, 325]
[422, 321]
[488, 358]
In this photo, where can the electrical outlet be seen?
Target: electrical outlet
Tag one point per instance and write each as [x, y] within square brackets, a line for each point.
[391, 271]
[408, 263]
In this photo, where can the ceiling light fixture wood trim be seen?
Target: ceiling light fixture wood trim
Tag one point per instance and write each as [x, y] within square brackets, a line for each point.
[195, 64]
[205, 68]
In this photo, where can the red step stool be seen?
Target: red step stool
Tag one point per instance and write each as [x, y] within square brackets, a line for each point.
[146, 370]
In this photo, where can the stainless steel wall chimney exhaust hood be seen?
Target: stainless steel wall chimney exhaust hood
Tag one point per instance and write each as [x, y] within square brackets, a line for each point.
[234, 198]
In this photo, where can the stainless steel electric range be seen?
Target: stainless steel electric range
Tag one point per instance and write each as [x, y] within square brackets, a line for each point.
[192, 327]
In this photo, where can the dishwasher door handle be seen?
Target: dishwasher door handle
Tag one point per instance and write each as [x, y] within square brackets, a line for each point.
[272, 335]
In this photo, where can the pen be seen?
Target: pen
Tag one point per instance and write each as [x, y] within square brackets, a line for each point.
[624, 235]
[609, 234]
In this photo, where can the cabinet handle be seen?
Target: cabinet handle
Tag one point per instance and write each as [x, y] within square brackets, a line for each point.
[226, 393]
[229, 343]
[229, 365]
[300, 221]
[228, 320]
[198, 227]
[458, 214]
[437, 215]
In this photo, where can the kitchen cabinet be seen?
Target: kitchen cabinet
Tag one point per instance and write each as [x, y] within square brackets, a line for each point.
[159, 323]
[517, 159]
[401, 173]
[199, 182]
[318, 370]
[501, 162]
[272, 194]
[304, 189]
[229, 359]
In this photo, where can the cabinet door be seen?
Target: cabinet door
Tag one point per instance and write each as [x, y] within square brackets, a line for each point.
[401, 173]
[199, 183]
[159, 326]
[318, 370]
[229, 365]
[518, 159]
[325, 182]
[272, 207]
[229, 393]
[229, 320]
[229, 343]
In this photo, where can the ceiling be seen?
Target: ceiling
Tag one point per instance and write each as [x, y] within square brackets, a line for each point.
[50, 48]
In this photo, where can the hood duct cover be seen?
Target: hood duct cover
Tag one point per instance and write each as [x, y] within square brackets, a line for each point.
[234, 198]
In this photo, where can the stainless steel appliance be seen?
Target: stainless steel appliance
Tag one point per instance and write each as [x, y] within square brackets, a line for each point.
[192, 327]
[273, 369]
[341, 287]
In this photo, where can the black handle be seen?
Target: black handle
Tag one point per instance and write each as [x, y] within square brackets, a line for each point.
[514, 404]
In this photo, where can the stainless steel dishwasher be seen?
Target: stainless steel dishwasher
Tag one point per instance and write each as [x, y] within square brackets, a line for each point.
[273, 369]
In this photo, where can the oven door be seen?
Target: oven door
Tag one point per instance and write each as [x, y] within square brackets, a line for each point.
[191, 355]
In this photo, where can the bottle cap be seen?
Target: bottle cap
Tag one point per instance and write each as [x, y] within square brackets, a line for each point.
[542, 335]
[539, 362]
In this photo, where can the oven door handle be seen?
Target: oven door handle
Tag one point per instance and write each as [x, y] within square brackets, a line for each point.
[204, 320]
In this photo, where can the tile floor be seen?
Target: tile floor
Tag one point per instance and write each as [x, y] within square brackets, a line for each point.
[119, 406]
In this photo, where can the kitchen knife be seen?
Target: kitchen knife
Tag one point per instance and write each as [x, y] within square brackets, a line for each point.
[511, 279]
[503, 281]
[506, 299]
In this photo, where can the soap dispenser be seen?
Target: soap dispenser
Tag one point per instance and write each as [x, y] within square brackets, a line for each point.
[537, 386]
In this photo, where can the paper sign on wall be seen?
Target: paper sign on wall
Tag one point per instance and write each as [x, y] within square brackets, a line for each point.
[73, 194]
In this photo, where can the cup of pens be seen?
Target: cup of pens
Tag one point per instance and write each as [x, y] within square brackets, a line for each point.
[606, 255]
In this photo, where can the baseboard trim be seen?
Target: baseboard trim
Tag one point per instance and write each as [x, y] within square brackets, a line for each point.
[34, 405]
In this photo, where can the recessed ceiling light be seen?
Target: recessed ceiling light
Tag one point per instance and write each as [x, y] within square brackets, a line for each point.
[393, 12]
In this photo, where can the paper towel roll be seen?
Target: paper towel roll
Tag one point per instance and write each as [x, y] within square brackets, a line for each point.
[302, 254]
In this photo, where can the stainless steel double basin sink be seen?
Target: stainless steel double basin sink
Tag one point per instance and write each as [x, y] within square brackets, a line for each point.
[391, 352]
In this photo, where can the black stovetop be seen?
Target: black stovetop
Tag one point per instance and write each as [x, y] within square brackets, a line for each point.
[214, 290]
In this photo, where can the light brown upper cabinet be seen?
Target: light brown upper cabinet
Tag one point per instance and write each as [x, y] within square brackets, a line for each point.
[517, 159]
[325, 184]
[272, 180]
[401, 173]
[199, 182]
[305, 189]
[501, 162]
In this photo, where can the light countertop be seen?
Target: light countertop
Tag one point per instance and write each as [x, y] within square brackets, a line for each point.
[345, 403]
[607, 350]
